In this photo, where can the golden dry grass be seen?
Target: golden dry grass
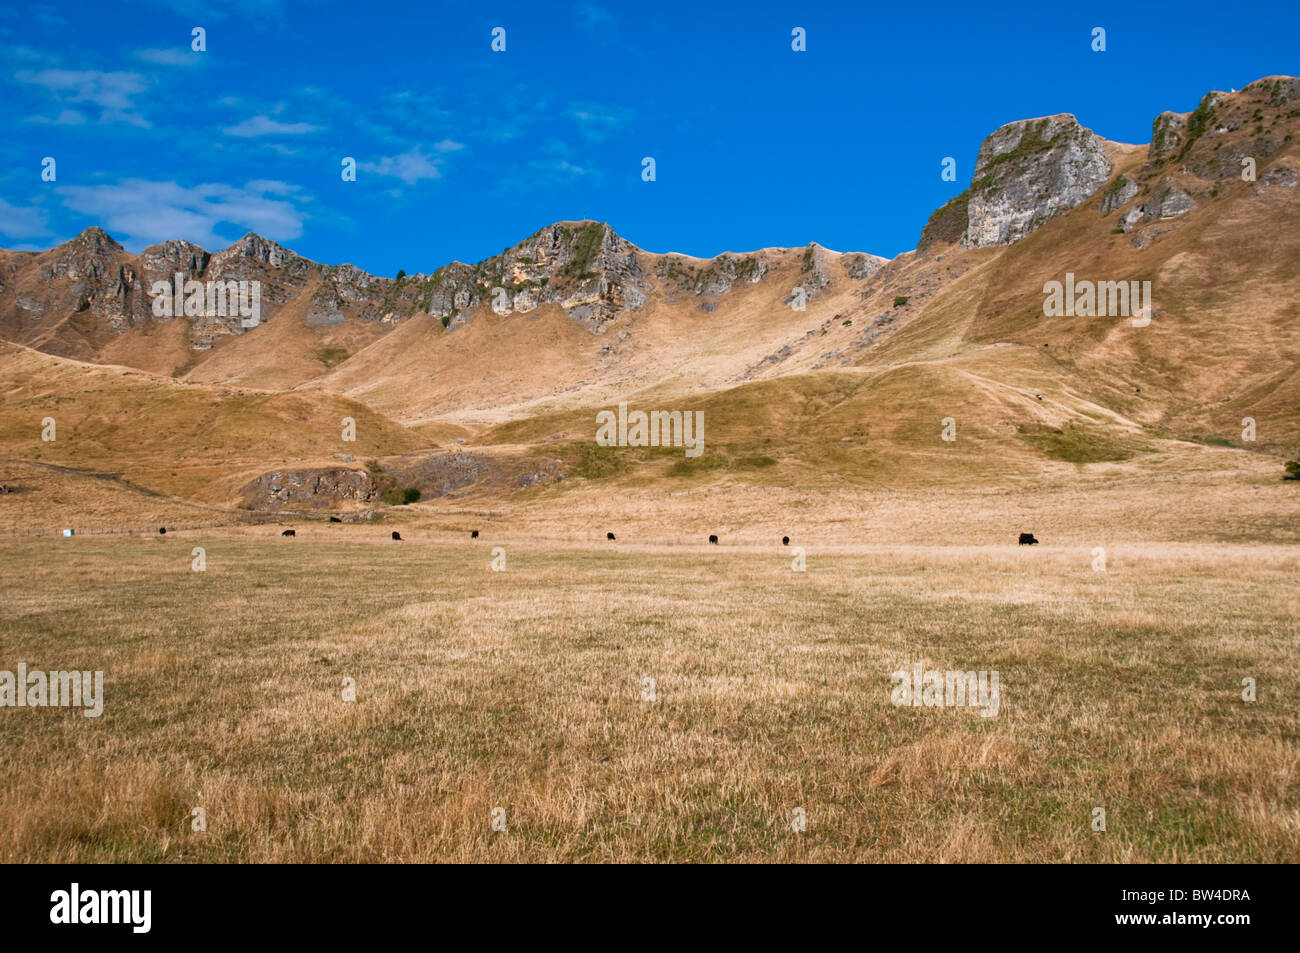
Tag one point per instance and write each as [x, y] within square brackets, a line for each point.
[522, 689]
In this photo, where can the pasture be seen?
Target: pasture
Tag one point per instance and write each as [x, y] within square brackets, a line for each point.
[527, 690]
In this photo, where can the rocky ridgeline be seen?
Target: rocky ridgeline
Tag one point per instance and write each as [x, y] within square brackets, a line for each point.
[350, 489]
[1027, 172]
[583, 267]
[93, 274]
[1191, 153]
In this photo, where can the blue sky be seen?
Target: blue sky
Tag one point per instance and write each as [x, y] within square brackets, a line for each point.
[463, 151]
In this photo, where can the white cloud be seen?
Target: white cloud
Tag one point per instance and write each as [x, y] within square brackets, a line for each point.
[411, 166]
[22, 221]
[113, 92]
[68, 117]
[146, 212]
[597, 122]
[170, 56]
[266, 126]
[556, 168]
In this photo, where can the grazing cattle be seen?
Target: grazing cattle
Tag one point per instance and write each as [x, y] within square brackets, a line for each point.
[1039, 396]
[474, 535]
[713, 539]
[162, 530]
[289, 532]
[397, 536]
[785, 540]
[1027, 539]
[335, 519]
[609, 535]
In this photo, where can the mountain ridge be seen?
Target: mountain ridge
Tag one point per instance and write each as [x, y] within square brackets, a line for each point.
[813, 359]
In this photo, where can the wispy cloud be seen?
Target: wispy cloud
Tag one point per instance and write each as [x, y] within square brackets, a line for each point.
[414, 165]
[596, 122]
[201, 11]
[46, 16]
[112, 92]
[18, 221]
[147, 211]
[594, 18]
[169, 56]
[266, 126]
[66, 117]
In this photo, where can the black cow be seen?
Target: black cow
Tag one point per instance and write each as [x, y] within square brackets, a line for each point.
[785, 540]
[335, 519]
[397, 536]
[609, 535]
[474, 534]
[289, 532]
[1027, 539]
[713, 539]
[162, 530]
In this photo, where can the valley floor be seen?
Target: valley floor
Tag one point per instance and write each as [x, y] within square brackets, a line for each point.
[527, 690]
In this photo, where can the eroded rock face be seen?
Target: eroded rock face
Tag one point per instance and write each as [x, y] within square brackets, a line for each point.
[814, 277]
[1028, 172]
[861, 265]
[162, 262]
[1168, 135]
[1282, 176]
[308, 489]
[584, 267]
[1169, 201]
[1122, 191]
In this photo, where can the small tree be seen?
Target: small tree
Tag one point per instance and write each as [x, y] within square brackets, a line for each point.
[1292, 470]
[900, 301]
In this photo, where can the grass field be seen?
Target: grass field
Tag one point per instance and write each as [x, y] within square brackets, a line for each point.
[523, 689]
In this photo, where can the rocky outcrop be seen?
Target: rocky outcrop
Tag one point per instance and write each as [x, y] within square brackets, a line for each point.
[584, 267]
[814, 275]
[308, 489]
[1168, 135]
[1282, 177]
[861, 266]
[1122, 191]
[344, 289]
[1027, 172]
[1169, 201]
[162, 262]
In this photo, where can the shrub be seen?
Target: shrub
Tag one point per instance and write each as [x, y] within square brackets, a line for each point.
[1292, 470]
[396, 497]
[900, 301]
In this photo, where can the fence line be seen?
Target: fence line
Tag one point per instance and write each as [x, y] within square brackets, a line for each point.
[258, 520]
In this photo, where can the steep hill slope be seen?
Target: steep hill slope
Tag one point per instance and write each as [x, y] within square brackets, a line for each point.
[813, 368]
